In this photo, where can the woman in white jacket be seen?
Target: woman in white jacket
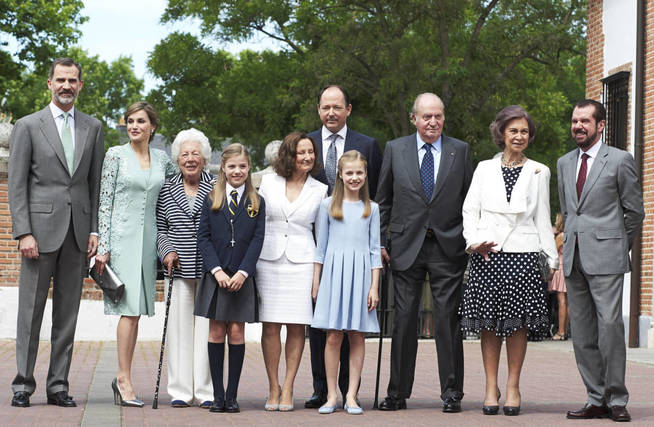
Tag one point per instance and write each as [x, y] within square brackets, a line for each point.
[285, 266]
[506, 224]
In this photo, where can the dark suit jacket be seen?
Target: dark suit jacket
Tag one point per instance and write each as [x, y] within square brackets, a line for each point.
[363, 144]
[43, 194]
[405, 212]
[215, 234]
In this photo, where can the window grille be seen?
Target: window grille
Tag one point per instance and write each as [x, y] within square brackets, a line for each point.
[616, 101]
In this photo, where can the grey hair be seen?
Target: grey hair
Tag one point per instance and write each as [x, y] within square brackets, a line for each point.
[271, 150]
[419, 98]
[192, 135]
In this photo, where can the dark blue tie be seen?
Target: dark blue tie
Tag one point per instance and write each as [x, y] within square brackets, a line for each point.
[427, 172]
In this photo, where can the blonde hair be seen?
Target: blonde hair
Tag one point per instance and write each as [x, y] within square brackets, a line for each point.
[336, 205]
[558, 223]
[217, 195]
[559, 241]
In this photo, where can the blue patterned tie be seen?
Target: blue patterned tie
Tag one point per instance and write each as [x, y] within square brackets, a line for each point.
[330, 164]
[427, 172]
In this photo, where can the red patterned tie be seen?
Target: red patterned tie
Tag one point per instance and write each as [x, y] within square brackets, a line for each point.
[581, 178]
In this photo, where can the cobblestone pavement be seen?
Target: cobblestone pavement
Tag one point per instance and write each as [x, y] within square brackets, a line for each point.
[550, 386]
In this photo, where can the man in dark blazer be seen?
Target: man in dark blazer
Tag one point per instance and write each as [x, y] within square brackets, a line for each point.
[423, 181]
[55, 163]
[602, 205]
[333, 139]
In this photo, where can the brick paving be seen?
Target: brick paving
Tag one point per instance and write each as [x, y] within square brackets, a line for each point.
[550, 386]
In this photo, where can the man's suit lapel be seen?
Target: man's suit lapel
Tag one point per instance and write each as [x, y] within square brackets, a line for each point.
[447, 159]
[81, 133]
[598, 165]
[571, 181]
[350, 142]
[51, 135]
[410, 154]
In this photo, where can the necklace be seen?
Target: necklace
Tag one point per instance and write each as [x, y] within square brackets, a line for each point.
[513, 164]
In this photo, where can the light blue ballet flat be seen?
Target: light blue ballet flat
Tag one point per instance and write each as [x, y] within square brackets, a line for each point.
[353, 411]
[327, 409]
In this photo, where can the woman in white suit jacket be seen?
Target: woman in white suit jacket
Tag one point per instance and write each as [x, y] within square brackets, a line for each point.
[506, 224]
[285, 267]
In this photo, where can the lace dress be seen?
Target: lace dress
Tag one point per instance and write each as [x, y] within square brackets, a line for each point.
[127, 224]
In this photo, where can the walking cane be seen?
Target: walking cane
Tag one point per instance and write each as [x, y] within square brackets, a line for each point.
[155, 402]
[381, 332]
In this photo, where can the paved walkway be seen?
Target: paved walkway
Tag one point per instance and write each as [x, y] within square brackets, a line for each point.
[550, 386]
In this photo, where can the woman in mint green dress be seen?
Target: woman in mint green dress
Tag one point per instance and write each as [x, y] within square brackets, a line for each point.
[132, 175]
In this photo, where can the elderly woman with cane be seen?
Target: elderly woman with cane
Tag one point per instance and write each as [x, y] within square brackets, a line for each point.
[178, 217]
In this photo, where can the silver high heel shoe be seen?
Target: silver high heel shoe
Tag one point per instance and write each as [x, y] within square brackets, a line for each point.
[118, 397]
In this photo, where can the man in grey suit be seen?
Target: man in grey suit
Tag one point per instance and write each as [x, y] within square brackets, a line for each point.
[55, 163]
[602, 205]
[423, 181]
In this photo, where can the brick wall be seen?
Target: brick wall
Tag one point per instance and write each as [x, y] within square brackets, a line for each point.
[594, 50]
[646, 300]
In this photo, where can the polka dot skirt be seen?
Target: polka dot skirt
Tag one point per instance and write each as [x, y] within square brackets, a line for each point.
[506, 293]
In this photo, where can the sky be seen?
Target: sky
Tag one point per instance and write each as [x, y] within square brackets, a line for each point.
[132, 28]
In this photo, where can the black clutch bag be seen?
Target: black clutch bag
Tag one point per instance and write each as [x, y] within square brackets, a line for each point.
[109, 282]
[543, 266]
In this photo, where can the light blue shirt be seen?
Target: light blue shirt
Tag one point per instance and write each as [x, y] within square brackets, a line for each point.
[436, 148]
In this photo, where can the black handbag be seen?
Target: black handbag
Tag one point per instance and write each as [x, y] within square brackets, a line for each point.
[109, 282]
[543, 266]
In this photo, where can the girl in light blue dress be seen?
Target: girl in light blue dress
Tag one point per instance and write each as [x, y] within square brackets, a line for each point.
[346, 274]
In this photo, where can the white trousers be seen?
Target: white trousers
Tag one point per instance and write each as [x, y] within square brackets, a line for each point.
[189, 378]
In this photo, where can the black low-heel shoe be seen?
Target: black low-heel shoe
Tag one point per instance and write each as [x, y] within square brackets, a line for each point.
[511, 410]
[490, 410]
[493, 409]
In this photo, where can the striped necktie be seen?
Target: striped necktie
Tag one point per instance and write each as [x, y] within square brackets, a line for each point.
[67, 142]
[233, 202]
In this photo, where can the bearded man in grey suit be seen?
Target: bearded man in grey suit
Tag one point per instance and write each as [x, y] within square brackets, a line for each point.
[55, 163]
[602, 205]
[423, 182]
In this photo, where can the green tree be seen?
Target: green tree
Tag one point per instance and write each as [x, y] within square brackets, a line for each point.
[248, 98]
[478, 55]
[40, 28]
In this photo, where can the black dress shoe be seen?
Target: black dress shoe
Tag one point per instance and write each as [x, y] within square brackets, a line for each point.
[392, 404]
[451, 405]
[21, 399]
[315, 401]
[231, 406]
[61, 398]
[588, 412]
[218, 405]
[620, 414]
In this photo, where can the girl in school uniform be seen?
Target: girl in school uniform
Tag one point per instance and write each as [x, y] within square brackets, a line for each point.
[230, 237]
[346, 274]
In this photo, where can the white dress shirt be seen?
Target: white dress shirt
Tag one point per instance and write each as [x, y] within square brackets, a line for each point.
[58, 115]
[327, 141]
[436, 148]
[592, 153]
